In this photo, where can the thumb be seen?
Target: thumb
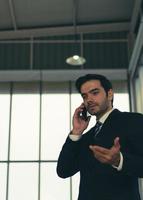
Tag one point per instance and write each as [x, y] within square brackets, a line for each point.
[117, 143]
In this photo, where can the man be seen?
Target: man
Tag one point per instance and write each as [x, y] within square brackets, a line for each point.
[109, 157]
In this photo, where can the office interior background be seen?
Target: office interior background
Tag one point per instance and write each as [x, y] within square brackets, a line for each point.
[37, 93]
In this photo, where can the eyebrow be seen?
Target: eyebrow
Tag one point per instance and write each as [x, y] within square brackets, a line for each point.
[92, 90]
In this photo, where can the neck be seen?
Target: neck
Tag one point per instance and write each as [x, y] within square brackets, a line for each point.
[98, 116]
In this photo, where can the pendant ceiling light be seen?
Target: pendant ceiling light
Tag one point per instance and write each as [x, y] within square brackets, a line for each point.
[76, 60]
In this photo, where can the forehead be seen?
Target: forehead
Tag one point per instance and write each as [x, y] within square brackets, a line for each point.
[89, 85]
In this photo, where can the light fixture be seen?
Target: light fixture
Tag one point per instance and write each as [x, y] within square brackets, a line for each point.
[76, 60]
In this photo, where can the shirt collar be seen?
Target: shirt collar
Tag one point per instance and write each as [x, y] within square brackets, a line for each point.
[104, 117]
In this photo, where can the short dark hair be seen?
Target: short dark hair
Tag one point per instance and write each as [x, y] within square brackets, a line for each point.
[105, 83]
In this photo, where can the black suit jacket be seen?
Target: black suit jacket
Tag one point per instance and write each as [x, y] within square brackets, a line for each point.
[101, 181]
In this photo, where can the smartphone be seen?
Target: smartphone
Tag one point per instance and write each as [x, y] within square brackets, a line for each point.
[84, 114]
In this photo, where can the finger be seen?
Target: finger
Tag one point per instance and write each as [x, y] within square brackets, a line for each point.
[99, 149]
[101, 154]
[117, 143]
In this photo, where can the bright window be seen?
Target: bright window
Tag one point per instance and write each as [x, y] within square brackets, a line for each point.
[35, 121]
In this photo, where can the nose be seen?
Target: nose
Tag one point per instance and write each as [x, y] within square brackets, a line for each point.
[89, 99]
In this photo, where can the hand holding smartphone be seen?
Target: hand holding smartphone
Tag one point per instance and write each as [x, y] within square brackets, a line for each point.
[81, 120]
[83, 114]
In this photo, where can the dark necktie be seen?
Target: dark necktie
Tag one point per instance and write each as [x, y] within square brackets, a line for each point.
[97, 128]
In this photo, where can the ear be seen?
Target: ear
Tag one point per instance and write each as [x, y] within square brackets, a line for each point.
[110, 94]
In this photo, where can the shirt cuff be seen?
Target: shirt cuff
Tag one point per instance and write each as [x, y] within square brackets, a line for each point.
[75, 137]
[119, 168]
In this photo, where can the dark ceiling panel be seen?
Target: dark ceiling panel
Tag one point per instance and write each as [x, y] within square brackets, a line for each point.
[102, 51]
[43, 13]
[14, 56]
[5, 17]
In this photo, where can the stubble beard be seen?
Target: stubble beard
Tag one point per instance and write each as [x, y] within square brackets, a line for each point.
[99, 111]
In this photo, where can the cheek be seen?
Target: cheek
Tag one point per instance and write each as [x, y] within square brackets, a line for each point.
[101, 98]
[103, 101]
[85, 102]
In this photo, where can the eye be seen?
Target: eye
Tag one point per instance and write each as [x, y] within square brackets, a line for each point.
[95, 92]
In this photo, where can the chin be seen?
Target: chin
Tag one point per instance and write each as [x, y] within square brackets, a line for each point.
[93, 113]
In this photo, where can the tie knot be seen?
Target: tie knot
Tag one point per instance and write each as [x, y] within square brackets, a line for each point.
[98, 124]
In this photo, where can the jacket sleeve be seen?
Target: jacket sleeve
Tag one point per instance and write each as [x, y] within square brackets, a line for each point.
[133, 157]
[68, 161]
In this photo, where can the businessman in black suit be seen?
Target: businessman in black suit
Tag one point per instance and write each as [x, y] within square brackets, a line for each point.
[109, 157]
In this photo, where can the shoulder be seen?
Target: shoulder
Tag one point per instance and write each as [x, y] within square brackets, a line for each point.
[128, 116]
[132, 114]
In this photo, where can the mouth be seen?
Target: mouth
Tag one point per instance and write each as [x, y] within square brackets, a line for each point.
[92, 107]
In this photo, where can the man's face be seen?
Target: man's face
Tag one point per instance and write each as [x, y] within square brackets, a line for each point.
[95, 98]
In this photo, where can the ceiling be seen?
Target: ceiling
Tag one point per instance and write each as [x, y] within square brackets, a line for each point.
[38, 34]
[30, 18]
